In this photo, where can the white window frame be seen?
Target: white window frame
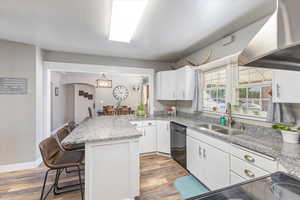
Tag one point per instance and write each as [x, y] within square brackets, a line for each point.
[227, 87]
[232, 84]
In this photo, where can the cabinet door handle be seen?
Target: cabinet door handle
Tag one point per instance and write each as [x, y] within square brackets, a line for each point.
[144, 133]
[204, 153]
[278, 90]
[249, 158]
[149, 124]
[249, 173]
[183, 94]
[200, 151]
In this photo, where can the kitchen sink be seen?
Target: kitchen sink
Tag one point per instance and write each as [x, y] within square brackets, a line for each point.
[220, 129]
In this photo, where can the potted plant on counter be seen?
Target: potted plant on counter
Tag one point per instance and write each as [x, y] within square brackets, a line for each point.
[141, 111]
[289, 135]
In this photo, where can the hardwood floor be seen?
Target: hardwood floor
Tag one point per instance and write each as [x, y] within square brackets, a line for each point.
[157, 176]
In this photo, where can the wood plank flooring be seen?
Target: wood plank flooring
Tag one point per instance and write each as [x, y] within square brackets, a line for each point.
[158, 174]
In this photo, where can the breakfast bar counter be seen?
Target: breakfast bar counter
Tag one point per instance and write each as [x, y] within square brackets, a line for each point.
[111, 157]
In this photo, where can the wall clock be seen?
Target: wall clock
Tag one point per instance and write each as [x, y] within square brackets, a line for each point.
[120, 92]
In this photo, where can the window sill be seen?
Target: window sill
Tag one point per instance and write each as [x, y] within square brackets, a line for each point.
[247, 117]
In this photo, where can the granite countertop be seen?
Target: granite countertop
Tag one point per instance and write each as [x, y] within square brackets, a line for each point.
[103, 128]
[255, 138]
[262, 140]
[272, 187]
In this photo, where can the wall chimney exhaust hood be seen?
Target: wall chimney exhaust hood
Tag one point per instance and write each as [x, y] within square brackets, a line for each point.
[277, 43]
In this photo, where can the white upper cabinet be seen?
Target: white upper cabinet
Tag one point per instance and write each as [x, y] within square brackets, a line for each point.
[286, 86]
[157, 85]
[185, 83]
[175, 84]
[167, 85]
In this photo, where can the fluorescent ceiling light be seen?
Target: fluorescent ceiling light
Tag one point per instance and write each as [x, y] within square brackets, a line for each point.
[125, 17]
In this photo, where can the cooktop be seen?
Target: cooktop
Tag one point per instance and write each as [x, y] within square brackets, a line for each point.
[277, 186]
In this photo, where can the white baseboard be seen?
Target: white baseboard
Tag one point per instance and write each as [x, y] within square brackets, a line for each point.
[20, 166]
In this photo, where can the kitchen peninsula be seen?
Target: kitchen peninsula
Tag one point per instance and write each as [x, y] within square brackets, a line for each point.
[111, 157]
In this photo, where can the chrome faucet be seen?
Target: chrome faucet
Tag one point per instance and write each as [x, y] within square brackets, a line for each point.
[229, 115]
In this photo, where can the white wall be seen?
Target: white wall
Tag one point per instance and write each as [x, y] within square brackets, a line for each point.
[105, 94]
[81, 103]
[58, 103]
[241, 40]
[18, 112]
[70, 107]
[54, 56]
[40, 134]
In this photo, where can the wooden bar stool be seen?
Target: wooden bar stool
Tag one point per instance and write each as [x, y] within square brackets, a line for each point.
[57, 159]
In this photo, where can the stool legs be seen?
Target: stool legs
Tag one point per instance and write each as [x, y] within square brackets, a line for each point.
[80, 183]
[55, 186]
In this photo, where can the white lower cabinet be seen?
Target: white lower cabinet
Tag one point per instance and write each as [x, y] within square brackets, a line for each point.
[155, 136]
[163, 137]
[195, 162]
[148, 143]
[236, 179]
[216, 167]
[207, 163]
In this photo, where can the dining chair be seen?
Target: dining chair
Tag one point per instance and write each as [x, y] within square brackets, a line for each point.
[90, 112]
[109, 110]
[124, 110]
[56, 159]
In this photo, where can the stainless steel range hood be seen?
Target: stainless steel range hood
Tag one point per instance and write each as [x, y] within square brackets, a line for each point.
[277, 43]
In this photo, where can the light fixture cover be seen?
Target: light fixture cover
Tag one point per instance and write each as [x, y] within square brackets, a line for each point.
[125, 18]
[101, 83]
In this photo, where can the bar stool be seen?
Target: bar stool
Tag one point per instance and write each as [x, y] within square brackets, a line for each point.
[56, 159]
[62, 134]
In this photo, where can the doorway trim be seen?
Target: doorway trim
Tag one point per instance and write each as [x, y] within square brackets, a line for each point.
[87, 68]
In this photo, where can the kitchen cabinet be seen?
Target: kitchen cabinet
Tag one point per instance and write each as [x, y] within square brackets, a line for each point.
[286, 85]
[207, 163]
[148, 140]
[148, 143]
[158, 85]
[246, 170]
[163, 137]
[217, 171]
[168, 85]
[175, 84]
[185, 83]
[236, 179]
[195, 162]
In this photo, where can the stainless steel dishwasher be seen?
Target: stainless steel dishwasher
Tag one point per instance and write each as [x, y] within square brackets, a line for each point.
[178, 143]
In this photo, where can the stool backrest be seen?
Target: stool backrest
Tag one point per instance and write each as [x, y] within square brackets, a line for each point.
[62, 133]
[72, 125]
[49, 149]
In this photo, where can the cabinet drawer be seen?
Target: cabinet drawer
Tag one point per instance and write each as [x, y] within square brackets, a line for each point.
[265, 162]
[236, 179]
[246, 170]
